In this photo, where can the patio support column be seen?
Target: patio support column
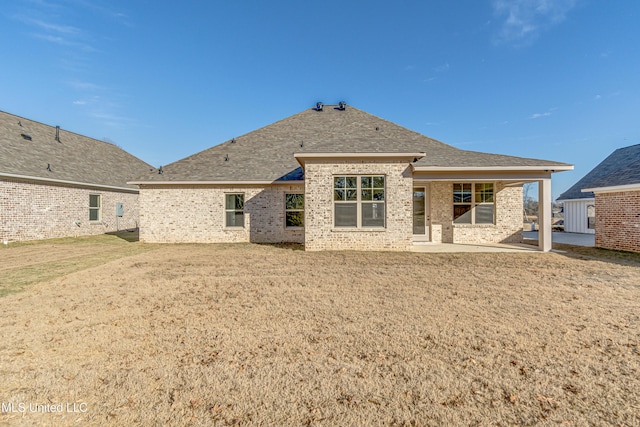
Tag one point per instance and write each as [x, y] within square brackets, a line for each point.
[544, 215]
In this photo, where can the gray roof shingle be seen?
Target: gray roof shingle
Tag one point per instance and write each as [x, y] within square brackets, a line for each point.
[74, 158]
[620, 168]
[267, 154]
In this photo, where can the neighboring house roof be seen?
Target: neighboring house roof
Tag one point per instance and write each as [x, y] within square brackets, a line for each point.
[29, 150]
[620, 168]
[269, 154]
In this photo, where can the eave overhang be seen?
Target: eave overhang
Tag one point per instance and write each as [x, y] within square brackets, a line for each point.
[67, 182]
[228, 183]
[543, 168]
[303, 157]
[613, 188]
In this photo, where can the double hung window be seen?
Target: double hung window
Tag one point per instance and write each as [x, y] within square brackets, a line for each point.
[294, 210]
[359, 201]
[234, 210]
[473, 203]
[94, 207]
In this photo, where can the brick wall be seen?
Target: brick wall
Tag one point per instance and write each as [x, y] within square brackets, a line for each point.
[508, 217]
[182, 213]
[618, 221]
[196, 213]
[320, 233]
[31, 211]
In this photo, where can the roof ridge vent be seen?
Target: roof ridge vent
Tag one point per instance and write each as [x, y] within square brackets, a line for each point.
[342, 106]
[319, 106]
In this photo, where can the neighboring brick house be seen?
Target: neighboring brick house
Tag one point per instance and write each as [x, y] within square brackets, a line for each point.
[580, 206]
[335, 177]
[54, 183]
[617, 203]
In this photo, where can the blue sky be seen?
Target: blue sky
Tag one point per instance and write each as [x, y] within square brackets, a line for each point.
[550, 79]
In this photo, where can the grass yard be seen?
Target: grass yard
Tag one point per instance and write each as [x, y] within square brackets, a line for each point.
[248, 334]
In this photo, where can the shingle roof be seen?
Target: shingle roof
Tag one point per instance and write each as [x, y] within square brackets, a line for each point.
[620, 168]
[267, 154]
[74, 158]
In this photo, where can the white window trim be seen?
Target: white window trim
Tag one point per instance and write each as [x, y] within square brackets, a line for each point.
[474, 204]
[304, 215]
[244, 214]
[95, 208]
[358, 203]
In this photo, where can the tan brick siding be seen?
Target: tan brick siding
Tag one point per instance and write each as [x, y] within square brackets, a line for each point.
[173, 214]
[31, 211]
[320, 233]
[508, 220]
[196, 213]
[618, 221]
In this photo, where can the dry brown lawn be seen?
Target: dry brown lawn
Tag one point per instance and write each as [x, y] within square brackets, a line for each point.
[271, 335]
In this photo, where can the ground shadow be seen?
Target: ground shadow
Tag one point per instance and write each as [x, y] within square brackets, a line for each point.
[131, 236]
[284, 245]
[590, 253]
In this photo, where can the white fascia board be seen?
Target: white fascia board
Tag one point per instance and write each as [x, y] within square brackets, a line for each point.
[76, 183]
[586, 199]
[613, 188]
[215, 182]
[554, 168]
[300, 157]
[355, 155]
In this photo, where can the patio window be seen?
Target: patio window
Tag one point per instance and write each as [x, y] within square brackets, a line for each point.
[473, 203]
[294, 210]
[94, 207]
[591, 217]
[359, 201]
[234, 210]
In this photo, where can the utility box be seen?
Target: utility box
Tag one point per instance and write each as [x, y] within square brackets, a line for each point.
[120, 209]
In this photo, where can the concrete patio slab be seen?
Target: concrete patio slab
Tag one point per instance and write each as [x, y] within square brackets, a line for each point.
[578, 239]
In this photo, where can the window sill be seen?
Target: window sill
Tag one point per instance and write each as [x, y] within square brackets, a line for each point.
[474, 225]
[294, 228]
[356, 230]
[97, 222]
[233, 228]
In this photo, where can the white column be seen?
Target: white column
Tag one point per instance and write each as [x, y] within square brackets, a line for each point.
[544, 215]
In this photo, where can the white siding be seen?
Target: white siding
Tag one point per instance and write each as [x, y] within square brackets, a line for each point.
[575, 216]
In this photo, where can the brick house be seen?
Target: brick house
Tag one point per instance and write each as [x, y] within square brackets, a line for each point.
[580, 206]
[617, 203]
[335, 177]
[55, 183]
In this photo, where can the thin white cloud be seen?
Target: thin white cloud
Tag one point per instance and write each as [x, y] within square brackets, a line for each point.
[84, 86]
[63, 41]
[538, 115]
[63, 29]
[597, 97]
[441, 68]
[522, 21]
[79, 102]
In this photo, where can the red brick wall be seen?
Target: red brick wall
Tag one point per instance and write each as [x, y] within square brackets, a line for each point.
[618, 221]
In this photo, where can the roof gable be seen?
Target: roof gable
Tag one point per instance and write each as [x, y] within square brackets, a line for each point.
[71, 158]
[267, 154]
[620, 168]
